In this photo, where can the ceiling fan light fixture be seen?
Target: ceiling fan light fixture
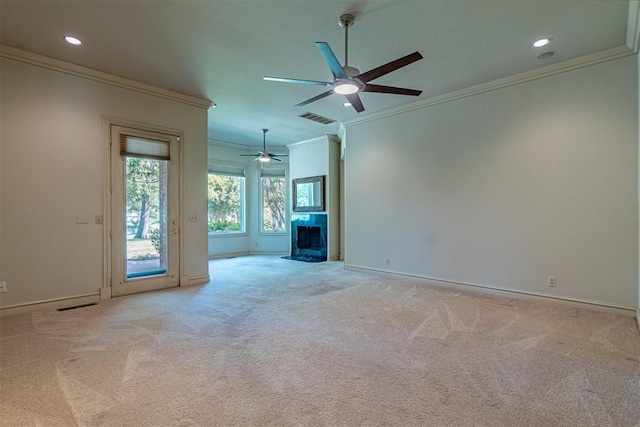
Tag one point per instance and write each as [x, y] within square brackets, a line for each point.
[346, 88]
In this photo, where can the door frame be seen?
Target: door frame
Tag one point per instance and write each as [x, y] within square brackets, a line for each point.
[107, 228]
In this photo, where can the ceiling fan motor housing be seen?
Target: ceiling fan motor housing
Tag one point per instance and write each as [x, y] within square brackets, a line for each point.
[351, 71]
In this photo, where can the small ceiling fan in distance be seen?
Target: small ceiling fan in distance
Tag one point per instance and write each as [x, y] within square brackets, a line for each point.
[264, 156]
[348, 81]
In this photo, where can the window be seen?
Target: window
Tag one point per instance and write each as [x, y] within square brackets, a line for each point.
[226, 199]
[273, 200]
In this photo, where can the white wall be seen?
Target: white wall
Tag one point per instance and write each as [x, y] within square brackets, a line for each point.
[506, 188]
[52, 171]
[253, 241]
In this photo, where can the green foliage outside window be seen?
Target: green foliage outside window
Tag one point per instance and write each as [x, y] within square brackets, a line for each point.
[225, 203]
[143, 192]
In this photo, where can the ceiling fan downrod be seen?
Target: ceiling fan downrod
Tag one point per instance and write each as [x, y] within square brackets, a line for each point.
[345, 22]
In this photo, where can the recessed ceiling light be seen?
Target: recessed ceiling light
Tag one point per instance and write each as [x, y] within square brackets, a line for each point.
[72, 40]
[347, 104]
[542, 42]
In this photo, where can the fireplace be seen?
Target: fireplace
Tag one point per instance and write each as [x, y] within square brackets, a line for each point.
[309, 237]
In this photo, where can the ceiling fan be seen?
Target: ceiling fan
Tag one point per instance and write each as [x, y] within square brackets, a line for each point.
[264, 155]
[348, 81]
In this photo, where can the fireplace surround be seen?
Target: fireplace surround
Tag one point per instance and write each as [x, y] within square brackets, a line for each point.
[309, 237]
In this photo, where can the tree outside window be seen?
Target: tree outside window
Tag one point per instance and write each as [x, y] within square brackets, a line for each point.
[226, 204]
[273, 204]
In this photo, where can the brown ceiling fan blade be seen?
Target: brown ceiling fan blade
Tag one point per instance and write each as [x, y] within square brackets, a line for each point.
[389, 67]
[276, 159]
[355, 101]
[304, 82]
[331, 60]
[315, 98]
[391, 89]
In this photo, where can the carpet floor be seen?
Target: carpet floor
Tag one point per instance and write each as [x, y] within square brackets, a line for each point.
[275, 342]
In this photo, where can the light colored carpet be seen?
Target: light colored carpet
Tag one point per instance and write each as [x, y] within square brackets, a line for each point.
[279, 342]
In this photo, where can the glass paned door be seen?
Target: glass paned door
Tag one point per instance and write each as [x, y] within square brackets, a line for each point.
[145, 233]
[146, 217]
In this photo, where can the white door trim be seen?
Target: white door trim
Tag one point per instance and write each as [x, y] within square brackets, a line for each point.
[107, 123]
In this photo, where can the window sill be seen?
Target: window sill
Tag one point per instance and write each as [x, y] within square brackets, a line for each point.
[238, 234]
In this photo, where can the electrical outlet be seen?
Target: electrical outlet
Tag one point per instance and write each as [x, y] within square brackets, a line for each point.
[387, 261]
[551, 281]
[3, 286]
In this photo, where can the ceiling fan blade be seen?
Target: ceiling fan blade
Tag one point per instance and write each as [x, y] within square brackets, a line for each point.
[280, 155]
[389, 67]
[391, 89]
[356, 103]
[276, 159]
[331, 60]
[304, 82]
[315, 98]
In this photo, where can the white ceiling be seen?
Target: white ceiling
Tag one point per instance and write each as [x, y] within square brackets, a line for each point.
[219, 50]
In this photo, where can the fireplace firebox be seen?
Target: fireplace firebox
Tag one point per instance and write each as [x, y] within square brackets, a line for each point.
[309, 237]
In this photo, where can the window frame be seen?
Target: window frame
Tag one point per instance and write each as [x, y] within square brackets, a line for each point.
[218, 168]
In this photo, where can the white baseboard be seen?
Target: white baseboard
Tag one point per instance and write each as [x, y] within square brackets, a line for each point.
[269, 253]
[230, 255]
[241, 254]
[197, 280]
[638, 317]
[511, 293]
[105, 293]
[52, 304]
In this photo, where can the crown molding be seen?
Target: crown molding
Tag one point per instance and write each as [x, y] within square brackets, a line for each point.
[240, 147]
[99, 76]
[527, 76]
[228, 145]
[633, 29]
[323, 138]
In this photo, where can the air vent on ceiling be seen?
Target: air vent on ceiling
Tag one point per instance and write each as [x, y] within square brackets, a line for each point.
[317, 118]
